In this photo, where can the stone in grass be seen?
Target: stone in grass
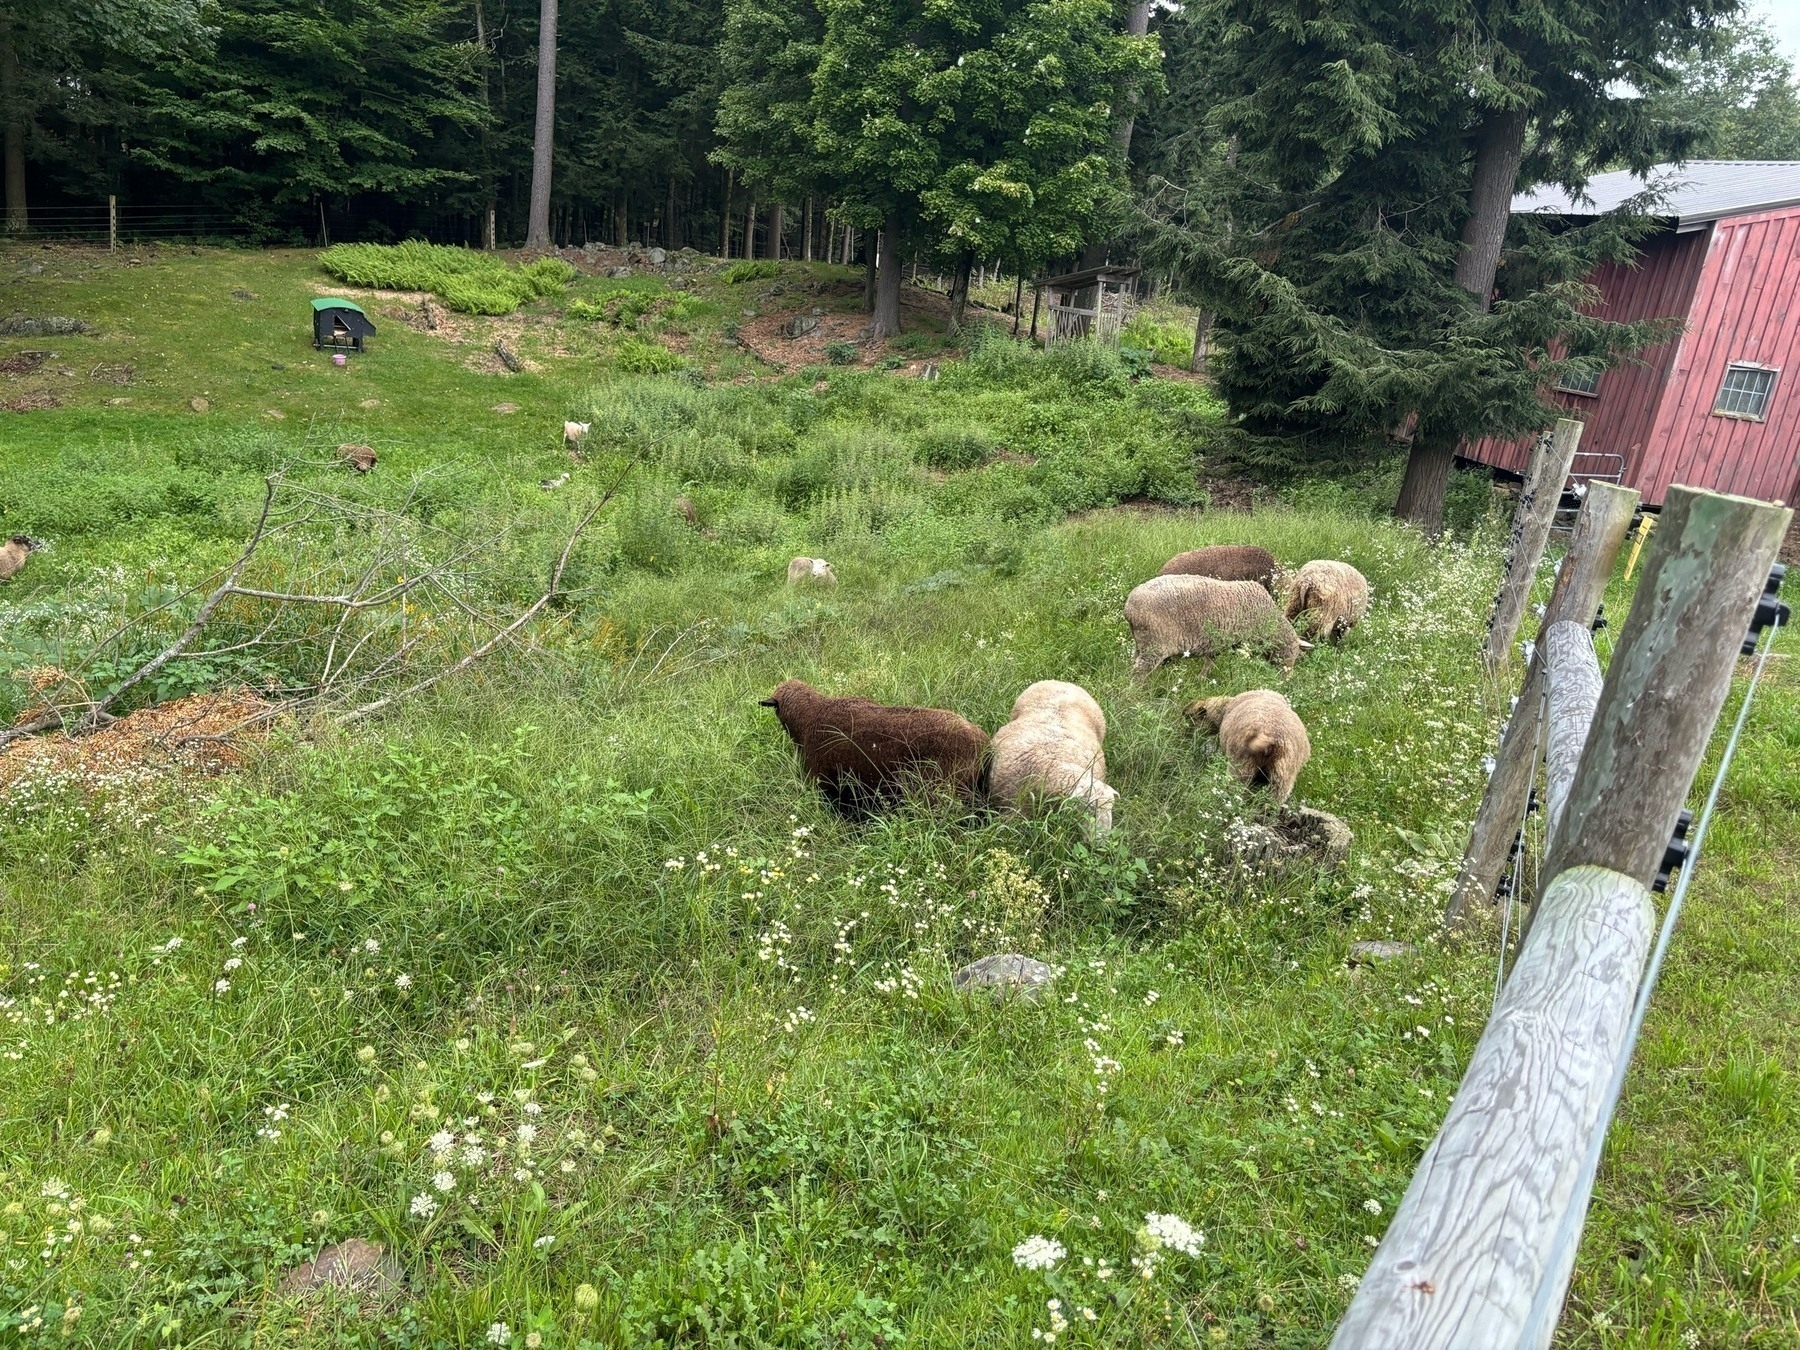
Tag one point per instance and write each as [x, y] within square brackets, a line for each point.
[1376, 951]
[1006, 975]
[1300, 835]
[801, 325]
[353, 1266]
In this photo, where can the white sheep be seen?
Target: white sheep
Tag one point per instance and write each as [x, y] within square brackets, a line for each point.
[1262, 736]
[575, 432]
[815, 570]
[1328, 598]
[1053, 748]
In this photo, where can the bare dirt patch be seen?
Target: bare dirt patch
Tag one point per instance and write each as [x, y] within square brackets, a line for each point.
[35, 400]
[203, 734]
[24, 363]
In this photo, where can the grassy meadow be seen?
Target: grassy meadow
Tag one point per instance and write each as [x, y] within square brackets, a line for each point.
[558, 981]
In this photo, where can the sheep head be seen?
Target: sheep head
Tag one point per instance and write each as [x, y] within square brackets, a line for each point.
[1208, 712]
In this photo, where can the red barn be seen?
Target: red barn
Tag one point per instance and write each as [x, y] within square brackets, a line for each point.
[1716, 408]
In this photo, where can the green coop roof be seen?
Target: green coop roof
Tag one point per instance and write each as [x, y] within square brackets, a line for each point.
[336, 302]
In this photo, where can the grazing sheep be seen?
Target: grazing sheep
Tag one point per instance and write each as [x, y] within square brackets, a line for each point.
[13, 554]
[1261, 735]
[1333, 597]
[574, 432]
[551, 484]
[863, 754]
[359, 457]
[1053, 748]
[1226, 562]
[1205, 617]
[684, 507]
[811, 569]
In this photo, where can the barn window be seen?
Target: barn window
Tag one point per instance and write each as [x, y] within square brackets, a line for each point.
[1745, 392]
[1574, 382]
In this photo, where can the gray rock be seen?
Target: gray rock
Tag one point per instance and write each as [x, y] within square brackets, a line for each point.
[618, 271]
[351, 1266]
[1005, 975]
[657, 257]
[802, 325]
[1300, 836]
[1381, 949]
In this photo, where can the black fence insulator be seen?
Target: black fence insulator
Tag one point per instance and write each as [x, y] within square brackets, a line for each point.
[1531, 802]
[1599, 618]
[1769, 609]
[1675, 856]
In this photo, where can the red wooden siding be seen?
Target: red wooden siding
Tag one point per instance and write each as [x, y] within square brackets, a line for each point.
[1744, 309]
[1621, 416]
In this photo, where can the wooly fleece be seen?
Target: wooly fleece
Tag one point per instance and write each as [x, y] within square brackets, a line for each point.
[1052, 748]
[1332, 597]
[865, 754]
[13, 554]
[359, 457]
[811, 569]
[1204, 617]
[1226, 562]
[1263, 738]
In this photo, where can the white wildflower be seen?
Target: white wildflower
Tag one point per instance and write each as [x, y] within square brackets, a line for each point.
[1174, 1232]
[1038, 1253]
[423, 1206]
[444, 1182]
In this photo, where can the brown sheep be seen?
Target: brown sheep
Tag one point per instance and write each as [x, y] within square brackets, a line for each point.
[359, 457]
[1328, 598]
[864, 754]
[1052, 748]
[1226, 562]
[1204, 617]
[13, 554]
[1262, 737]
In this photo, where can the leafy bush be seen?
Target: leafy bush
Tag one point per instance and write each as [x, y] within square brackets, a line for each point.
[760, 270]
[1168, 341]
[634, 356]
[841, 353]
[466, 280]
[953, 447]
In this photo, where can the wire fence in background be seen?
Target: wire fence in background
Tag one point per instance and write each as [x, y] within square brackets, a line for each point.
[112, 224]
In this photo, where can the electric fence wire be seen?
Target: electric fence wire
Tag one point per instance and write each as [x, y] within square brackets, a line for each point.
[1547, 1304]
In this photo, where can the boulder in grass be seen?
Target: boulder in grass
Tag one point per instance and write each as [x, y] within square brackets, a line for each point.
[363, 1269]
[1375, 952]
[1005, 976]
[1300, 836]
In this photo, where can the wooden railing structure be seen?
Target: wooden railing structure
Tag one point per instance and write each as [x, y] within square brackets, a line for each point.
[1481, 1250]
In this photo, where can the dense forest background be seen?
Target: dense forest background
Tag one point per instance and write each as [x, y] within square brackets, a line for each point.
[286, 120]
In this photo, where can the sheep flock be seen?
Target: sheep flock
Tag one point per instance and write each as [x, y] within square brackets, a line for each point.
[865, 756]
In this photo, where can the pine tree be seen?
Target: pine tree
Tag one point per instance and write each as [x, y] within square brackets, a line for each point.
[1379, 152]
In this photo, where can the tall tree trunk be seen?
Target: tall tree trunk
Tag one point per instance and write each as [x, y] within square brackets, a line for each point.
[12, 115]
[543, 141]
[775, 228]
[869, 245]
[887, 284]
[669, 240]
[959, 290]
[806, 228]
[750, 229]
[1499, 148]
[1137, 23]
[725, 216]
[1203, 322]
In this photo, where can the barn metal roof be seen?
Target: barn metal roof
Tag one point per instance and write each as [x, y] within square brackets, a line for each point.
[1693, 195]
[335, 302]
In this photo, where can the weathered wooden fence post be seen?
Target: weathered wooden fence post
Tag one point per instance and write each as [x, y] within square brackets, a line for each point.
[1536, 512]
[1572, 678]
[1708, 562]
[1479, 1238]
[1599, 533]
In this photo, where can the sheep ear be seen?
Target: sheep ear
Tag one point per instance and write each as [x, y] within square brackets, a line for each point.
[1305, 646]
[766, 703]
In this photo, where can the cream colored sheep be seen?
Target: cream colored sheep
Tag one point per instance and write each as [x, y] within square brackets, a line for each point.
[1262, 736]
[1053, 748]
[1204, 617]
[815, 570]
[1328, 598]
[13, 554]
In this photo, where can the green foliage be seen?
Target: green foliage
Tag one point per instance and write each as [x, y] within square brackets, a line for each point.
[760, 269]
[466, 280]
[841, 353]
[1169, 341]
[953, 448]
[634, 356]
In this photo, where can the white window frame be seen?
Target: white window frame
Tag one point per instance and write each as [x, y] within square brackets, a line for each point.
[1592, 390]
[1774, 374]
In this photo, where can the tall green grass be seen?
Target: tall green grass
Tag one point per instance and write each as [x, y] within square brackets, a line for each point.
[466, 280]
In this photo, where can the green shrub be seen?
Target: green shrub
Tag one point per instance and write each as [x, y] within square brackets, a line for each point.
[760, 270]
[1168, 341]
[953, 447]
[634, 356]
[466, 280]
[841, 353]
